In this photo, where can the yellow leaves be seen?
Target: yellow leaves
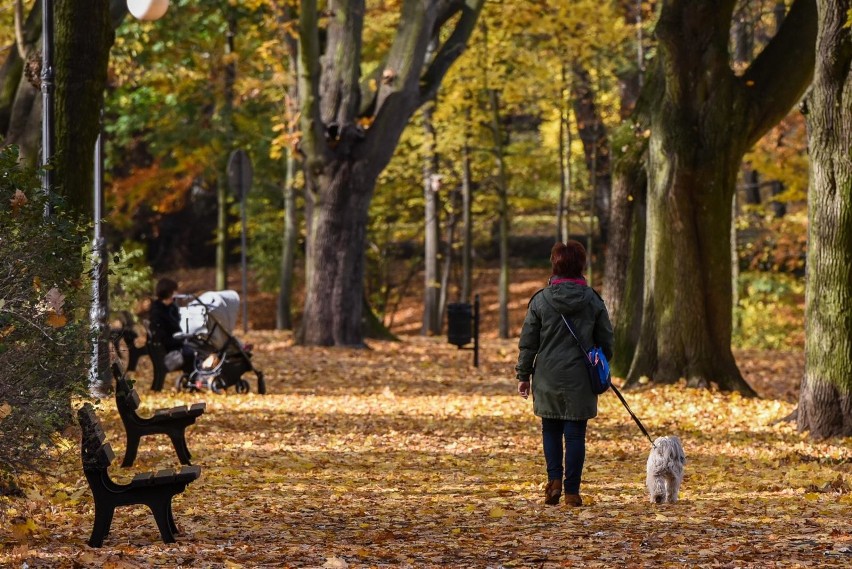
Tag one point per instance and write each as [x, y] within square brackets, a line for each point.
[23, 528]
[496, 512]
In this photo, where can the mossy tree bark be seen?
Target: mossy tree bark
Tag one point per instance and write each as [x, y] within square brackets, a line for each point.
[700, 124]
[350, 129]
[84, 36]
[825, 400]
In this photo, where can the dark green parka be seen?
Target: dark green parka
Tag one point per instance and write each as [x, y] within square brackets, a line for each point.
[560, 384]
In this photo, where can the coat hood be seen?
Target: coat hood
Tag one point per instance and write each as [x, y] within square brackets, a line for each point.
[569, 298]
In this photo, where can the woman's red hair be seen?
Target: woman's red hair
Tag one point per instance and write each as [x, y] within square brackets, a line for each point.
[568, 259]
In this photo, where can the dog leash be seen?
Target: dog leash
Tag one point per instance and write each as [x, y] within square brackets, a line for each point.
[632, 414]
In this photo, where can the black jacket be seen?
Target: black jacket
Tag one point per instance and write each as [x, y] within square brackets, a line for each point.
[164, 320]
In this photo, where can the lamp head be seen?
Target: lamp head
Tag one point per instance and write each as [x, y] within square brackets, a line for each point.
[148, 9]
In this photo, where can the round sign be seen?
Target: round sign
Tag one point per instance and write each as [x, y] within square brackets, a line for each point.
[148, 9]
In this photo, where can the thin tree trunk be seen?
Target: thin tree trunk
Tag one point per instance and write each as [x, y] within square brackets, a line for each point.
[222, 186]
[825, 400]
[431, 185]
[595, 139]
[284, 318]
[503, 213]
[446, 268]
[561, 235]
[467, 219]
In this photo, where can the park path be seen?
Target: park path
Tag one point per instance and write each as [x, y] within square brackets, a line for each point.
[406, 456]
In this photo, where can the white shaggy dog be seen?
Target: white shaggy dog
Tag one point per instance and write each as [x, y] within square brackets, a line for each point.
[665, 470]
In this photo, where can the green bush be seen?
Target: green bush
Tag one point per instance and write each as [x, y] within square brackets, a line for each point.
[44, 326]
[131, 279]
[770, 312]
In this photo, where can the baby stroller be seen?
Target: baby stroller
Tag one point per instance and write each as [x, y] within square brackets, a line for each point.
[220, 359]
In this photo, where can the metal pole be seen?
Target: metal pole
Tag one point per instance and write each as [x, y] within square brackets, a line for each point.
[243, 255]
[99, 368]
[47, 86]
[476, 331]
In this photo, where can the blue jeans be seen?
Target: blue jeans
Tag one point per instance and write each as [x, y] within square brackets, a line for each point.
[574, 433]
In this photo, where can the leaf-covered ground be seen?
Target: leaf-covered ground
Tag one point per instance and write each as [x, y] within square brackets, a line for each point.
[406, 455]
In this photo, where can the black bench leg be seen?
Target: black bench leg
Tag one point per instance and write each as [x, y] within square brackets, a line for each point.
[161, 510]
[103, 521]
[159, 379]
[132, 448]
[172, 523]
[179, 442]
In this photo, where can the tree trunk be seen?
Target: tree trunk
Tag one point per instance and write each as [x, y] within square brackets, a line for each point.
[595, 139]
[284, 318]
[222, 187]
[467, 218]
[349, 132]
[431, 185]
[84, 36]
[825, 400]
[700, 125]
[503, 213]
[335, 283]
[623, 277]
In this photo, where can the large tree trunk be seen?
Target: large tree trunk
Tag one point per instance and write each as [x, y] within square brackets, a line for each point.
[335, 284]
[349, 132]
[700, 125]
[84, 36]
[624, 274]
[825, 401]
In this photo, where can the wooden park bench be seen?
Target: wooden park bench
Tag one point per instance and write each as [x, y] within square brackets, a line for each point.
[152, 489]
[171, 421]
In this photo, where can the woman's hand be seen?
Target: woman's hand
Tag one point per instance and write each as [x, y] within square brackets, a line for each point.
[524, 389]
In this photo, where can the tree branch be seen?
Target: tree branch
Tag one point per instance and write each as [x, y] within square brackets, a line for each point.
[452, 48]
[313, 131]
[778, 77]
[341, 69]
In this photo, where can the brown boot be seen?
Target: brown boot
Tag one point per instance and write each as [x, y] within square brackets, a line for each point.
[573, 500]
[552, 492]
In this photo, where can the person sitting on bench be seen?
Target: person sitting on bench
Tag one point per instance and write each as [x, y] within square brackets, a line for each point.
[164, 323]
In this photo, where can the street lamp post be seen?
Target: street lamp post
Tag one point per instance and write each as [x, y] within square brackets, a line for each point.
[99, 313]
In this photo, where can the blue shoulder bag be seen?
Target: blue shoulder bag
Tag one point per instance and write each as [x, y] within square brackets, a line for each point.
[596, 363]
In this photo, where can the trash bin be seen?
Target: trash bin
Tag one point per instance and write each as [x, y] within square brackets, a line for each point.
[459, 323]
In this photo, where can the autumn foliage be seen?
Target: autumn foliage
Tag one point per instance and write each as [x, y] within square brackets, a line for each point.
[406, 455]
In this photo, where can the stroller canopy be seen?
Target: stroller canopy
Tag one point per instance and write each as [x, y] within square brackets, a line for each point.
[209, 309]
[223, 306]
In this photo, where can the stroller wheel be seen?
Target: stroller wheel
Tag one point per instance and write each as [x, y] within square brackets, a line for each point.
[242, 386]
[218, 385]
[183, 383]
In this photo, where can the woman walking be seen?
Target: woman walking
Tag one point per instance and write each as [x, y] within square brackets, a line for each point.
[562, 394]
